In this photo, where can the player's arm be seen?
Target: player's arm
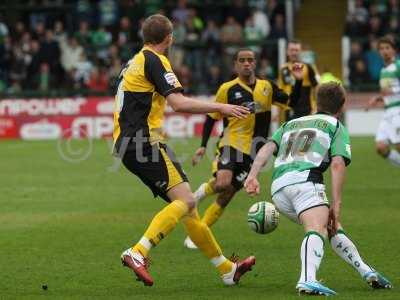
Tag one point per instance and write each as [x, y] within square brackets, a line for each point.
[263, 156]
[313, 75]
[374, 102]
[160, 73]
[338, 172]
[340, 152]
[220, 97]
[280, 98]
[207, 129]
[181, 103]
[205, 136]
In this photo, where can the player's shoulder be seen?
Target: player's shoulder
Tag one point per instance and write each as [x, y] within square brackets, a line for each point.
[265, 83]
[285, 66]
[331, 120]
[228, 84]
[153, 57]
[342, 127]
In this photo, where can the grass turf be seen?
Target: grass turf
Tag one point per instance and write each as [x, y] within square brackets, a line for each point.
[65, 224]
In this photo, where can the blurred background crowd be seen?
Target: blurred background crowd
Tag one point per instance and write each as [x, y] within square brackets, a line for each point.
[369, 21]
[81, 46]
[54, 47]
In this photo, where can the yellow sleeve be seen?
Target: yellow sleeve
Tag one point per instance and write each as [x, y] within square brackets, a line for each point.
[158, 71]
[280, 79]
[220, 97]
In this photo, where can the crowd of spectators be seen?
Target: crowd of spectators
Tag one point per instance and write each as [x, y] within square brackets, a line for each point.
[84, 45]
[369, 21]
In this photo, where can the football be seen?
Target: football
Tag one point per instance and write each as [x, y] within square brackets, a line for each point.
[263, 217]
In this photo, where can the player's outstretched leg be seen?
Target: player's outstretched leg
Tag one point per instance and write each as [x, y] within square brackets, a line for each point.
[162, 224]
[205, 189]
[392, 155]
[202, 236]
[312, 251]
[346, 249]
[213, 213]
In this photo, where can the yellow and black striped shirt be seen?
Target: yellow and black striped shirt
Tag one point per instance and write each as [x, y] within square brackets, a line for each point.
[140, 101]
[239, 133]
[306, 104]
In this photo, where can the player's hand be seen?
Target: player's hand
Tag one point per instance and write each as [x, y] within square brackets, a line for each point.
[236, 111]
[386, 91]
[252, 186]
[333, 221]
[297, 71]
[372, 102]
[198, 155]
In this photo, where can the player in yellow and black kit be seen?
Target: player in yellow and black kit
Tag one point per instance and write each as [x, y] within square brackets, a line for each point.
[147, 83]
[306, 103]
[241, 139]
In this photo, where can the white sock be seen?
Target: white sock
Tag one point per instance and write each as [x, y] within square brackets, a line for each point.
[144, 242]
[346, 249]
[394, 157]
[311, 253]
[200, 193]
[218, 260]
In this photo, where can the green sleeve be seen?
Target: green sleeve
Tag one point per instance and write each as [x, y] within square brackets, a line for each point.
[398, 68]
[341, 144]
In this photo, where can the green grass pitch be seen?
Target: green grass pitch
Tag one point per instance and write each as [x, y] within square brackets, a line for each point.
[65, 224]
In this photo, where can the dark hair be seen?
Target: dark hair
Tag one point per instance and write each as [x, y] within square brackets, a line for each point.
[294, 41]
[236, 55]
[330, 97]
[156, 28]
[387, 40]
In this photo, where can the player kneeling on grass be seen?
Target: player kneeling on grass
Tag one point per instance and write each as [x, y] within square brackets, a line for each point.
[147, 82]
[305, 147]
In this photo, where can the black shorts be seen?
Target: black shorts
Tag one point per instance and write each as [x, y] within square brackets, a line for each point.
[157, 167]
[239, 163]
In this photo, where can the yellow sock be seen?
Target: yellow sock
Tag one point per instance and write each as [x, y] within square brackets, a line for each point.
[212, 214]
[208, 190]
[162, 224]
[202, 236]
[225, 267]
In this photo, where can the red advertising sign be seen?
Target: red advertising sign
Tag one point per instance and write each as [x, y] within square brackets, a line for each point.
[38, 119]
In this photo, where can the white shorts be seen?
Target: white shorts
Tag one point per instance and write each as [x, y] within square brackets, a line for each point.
[294, 199]
[389, 129]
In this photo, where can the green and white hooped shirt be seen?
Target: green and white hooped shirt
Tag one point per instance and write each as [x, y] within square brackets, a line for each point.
[390, 78]
[305, 148]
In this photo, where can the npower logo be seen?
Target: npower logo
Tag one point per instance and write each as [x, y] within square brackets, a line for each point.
[40, 107]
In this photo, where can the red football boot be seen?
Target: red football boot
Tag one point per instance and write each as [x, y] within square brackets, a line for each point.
[240, 268]
[138, 264]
